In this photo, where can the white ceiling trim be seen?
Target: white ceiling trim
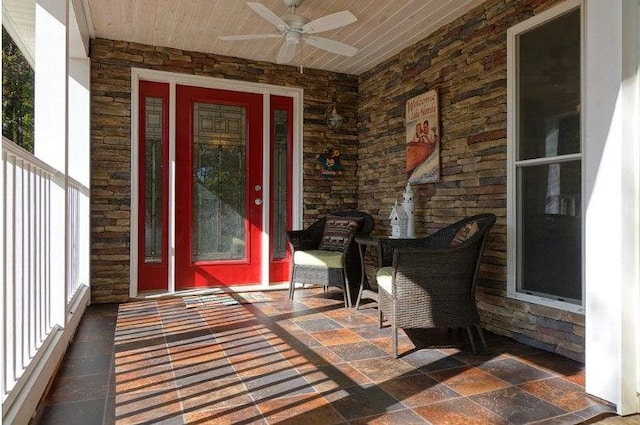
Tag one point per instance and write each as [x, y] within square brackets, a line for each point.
[18, 18]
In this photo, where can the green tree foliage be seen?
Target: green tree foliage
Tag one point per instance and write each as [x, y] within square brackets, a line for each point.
[17, 94]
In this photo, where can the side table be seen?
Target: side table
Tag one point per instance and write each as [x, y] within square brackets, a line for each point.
[365, 290]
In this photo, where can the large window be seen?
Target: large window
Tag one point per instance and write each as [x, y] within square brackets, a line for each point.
[545, 159]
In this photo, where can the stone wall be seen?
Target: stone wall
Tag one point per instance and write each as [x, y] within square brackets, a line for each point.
[111, 63]
[466, 62]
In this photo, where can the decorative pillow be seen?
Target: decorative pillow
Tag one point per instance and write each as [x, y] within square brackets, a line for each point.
[338, 231]
[465, 233]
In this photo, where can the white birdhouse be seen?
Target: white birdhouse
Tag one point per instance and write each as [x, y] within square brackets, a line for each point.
[398, 219]
[407, 204]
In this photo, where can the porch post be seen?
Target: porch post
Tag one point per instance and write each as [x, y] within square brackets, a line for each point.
[79, 121]
[50, 136]
[612, 198]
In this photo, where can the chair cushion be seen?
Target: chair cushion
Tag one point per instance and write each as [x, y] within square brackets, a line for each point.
[384, 277]
[465, 232]
[316, 257]
[338, 231]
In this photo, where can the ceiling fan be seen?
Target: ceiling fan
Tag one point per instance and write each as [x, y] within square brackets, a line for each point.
[297, 28]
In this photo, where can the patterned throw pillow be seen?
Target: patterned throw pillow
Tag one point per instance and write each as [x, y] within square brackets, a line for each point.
[337, 232]
[465, 233]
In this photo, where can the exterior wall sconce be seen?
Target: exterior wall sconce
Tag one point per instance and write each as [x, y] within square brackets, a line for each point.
[334, 119]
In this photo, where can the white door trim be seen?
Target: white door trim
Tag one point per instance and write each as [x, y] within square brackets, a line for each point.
[173, 79]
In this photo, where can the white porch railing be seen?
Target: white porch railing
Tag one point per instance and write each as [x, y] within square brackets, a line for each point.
[41, 301]
[78, 228]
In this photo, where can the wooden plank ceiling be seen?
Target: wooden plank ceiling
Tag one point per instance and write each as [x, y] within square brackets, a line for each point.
[384, 27]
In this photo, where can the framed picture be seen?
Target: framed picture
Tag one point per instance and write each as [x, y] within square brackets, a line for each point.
[422, 124]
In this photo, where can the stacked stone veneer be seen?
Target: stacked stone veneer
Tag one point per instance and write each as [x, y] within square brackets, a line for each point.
[111, 63]
[466, 62]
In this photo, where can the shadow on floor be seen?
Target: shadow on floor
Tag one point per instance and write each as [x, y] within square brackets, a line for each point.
[261, 359]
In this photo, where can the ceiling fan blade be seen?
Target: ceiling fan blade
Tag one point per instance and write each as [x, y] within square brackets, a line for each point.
[331, 46]
[287, 52]
[329, 22]
[267, 14]
[248, 37]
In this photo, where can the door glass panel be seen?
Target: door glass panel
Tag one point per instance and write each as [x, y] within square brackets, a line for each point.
[549, 198]
[153, 215]
[280, 184]
[219, 164]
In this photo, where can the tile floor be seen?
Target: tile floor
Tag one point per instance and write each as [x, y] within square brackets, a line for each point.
[214, 360]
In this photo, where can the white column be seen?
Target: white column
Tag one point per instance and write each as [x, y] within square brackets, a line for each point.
[612, 176]
[79, 120]
[51, 130]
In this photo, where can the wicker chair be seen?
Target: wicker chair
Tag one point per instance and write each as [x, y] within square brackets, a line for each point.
[430, 282]
[335, 268]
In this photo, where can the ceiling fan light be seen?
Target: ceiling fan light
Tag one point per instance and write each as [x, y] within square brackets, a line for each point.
[293, 37]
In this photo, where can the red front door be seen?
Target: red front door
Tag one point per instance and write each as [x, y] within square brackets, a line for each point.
[218, 197]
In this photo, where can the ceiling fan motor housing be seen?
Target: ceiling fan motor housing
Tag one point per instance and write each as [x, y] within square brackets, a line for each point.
[295, 22]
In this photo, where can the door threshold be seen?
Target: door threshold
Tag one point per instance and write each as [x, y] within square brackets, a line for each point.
[147, 295]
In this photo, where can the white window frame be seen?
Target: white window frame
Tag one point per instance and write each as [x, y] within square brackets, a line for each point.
[513, 163]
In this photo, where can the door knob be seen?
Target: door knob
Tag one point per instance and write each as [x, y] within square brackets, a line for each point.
[258, 201]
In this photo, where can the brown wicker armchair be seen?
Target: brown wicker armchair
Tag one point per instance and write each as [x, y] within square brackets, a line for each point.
[338, 266]
[430, 282]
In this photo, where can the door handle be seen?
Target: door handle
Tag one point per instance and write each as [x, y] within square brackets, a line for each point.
[258, 201]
